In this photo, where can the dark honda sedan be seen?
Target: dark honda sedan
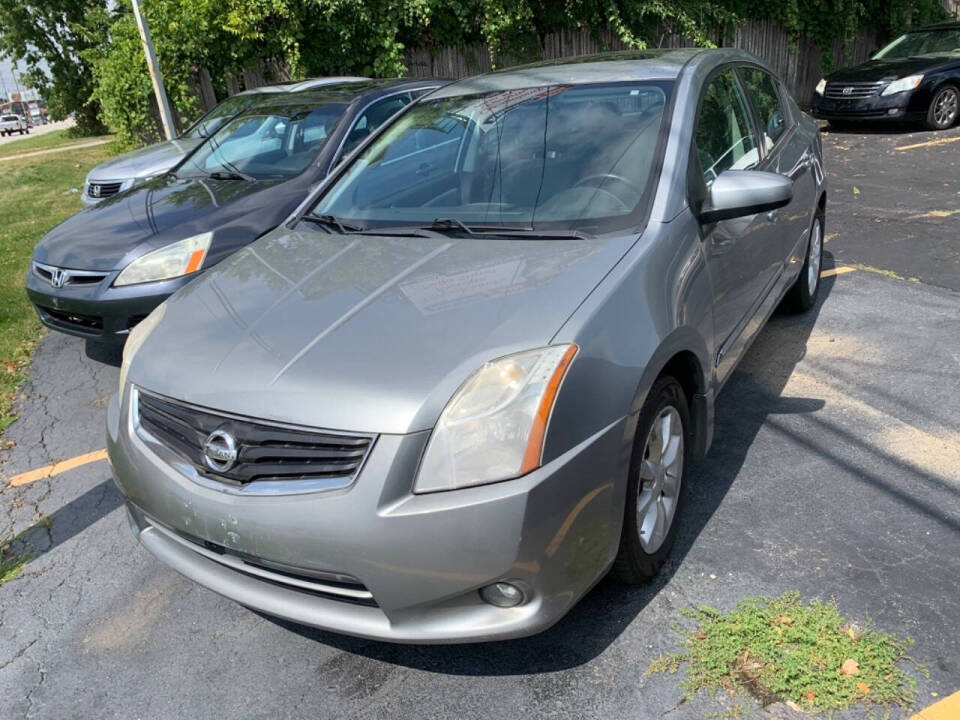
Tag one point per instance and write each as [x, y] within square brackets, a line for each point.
[103, 270]
[915, 78]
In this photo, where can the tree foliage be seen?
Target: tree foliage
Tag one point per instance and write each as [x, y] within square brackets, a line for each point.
[51, 37]
[369, 37]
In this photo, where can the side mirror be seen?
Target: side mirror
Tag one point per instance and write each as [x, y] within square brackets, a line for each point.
[736, 193]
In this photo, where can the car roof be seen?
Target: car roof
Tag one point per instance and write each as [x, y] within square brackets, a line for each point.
[624, 65]
[949, 25]
[342, 93]
[298, 85]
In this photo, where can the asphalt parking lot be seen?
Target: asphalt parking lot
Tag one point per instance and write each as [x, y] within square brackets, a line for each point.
[835, 471]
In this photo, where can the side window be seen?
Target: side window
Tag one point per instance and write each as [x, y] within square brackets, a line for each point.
[725, 139]
[372, 118]
[766, 101]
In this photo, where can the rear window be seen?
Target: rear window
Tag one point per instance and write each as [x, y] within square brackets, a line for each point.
[9, 117]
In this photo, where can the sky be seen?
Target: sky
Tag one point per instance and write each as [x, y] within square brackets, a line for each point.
[6, 78]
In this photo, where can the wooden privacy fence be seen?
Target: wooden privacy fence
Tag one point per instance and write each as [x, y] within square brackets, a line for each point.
[797, 63]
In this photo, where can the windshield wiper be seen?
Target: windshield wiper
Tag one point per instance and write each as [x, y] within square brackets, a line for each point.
[453, 224]
[332, 221]
[218, 175]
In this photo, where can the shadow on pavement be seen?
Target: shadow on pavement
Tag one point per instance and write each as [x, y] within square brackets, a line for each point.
[849, 128]
[68, 520]
[104, 352]
[603, 614]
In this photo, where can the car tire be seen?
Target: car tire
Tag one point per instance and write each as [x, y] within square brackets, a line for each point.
[944, 108]
[802, 295]
[656, 490]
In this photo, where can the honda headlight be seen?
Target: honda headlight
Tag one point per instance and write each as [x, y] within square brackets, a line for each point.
[180, 258]
[821, 86]
[494, 426]
[902, 85]
[135, 339]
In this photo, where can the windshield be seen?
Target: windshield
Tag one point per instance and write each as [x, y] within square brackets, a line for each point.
[559, 156]
[264, 145]
[922, 42]
[209, 123]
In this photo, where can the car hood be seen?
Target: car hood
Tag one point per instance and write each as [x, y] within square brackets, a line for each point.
[876, 70]
[362, 333]
[145, 162]
[106, 236]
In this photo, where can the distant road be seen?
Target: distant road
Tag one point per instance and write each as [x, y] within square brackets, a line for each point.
[39, 130]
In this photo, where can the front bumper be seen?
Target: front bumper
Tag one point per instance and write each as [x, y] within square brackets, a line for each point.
[420, 558]
[98, 311]
[893, 108]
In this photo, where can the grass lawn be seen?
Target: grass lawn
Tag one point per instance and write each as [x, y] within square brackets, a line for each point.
[52, 139]
[34, 196]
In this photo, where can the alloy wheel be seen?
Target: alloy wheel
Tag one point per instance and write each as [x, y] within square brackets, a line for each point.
[661, 474]
[814, 256]
[945, 107]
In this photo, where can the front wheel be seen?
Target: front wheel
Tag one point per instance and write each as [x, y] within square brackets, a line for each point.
[943, 109]
[655, 488]
[803, 293]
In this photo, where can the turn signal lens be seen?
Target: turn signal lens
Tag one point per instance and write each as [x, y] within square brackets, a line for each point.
[493, 428]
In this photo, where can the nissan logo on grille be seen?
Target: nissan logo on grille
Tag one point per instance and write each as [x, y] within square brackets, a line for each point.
[220, 451]
[94, 191]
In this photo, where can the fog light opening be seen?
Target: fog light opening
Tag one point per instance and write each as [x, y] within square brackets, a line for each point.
[502, 595]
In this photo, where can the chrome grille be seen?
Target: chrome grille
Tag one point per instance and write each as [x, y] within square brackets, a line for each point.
[852, 91]
[264, 453]
[97, 190]
[62, 277]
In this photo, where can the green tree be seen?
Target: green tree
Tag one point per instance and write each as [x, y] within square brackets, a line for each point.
[56, 34]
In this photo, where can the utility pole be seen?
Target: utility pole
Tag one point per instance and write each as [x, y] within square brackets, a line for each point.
[166, 116]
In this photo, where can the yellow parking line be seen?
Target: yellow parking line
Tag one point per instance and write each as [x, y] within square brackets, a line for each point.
[57, 468]
[929, 143]
[946, 709]
[837, 271]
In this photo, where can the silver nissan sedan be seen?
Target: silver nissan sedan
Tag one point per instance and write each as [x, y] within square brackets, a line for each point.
[468, 377]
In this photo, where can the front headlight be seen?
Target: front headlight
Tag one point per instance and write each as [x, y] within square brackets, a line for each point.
[179, 258]
[493, 427]
[902, 85]
[821, 86]
[136, 338]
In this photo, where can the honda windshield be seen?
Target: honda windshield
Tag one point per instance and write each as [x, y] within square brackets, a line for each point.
[559, 157]
[265, 144]
[209, 123]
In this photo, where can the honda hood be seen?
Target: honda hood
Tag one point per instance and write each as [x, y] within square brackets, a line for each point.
[108, 235]
[145, 162]
[362, 333]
